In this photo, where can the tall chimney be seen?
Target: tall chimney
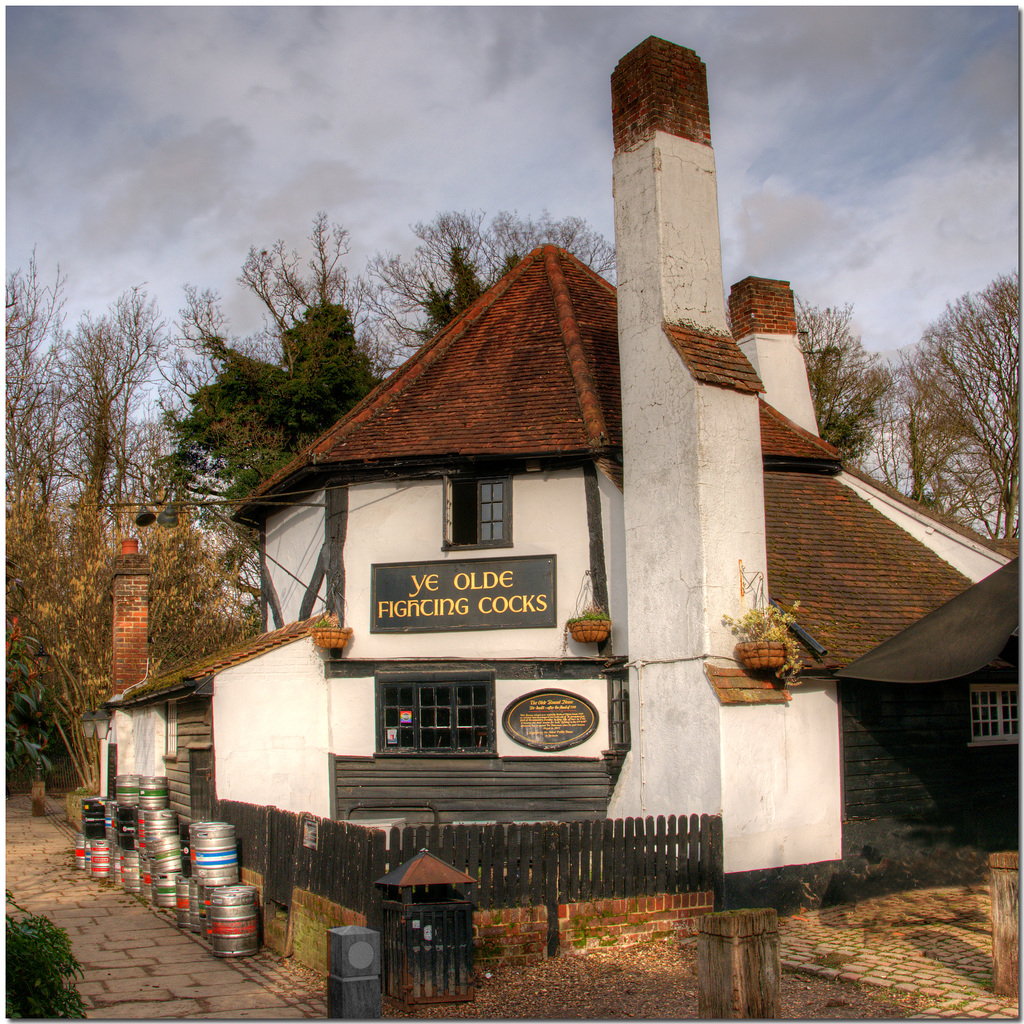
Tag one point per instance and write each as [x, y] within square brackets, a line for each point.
[693, 485]
[763, 318]
[131, 616]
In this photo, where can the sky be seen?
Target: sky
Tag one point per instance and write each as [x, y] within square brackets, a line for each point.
[867, 155]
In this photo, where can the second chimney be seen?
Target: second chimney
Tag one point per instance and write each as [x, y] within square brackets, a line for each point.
[131, 616]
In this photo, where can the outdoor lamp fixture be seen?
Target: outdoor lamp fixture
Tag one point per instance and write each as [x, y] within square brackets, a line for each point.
[95, 724]
[146, 517]
[169, 517]
[42, 659]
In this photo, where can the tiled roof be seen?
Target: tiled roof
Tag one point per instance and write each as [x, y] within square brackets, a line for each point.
[738, 686]
[781, 438]
[859, 578]
[174, 676]
[713, 358]
[531, 368]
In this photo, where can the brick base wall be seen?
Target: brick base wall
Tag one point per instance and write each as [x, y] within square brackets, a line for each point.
[522, 932]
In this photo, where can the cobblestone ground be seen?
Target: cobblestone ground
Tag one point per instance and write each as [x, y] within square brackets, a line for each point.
[936, 943]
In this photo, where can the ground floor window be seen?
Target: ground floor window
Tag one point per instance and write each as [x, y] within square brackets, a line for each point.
[436, 714]
[994, 713]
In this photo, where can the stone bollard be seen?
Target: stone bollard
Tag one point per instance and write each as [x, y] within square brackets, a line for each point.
[38, 798]
[1004, 893]
[738, 966]
[354, 987]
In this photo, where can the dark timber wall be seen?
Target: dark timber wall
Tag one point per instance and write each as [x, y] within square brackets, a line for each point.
[193, 731]
[489, 789]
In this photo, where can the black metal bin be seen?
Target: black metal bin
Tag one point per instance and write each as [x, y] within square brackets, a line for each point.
[427, 940]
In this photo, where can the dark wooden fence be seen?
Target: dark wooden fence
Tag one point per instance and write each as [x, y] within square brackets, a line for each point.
[527, 864]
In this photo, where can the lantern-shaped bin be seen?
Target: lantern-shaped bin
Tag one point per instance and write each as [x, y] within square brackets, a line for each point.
[428, 933]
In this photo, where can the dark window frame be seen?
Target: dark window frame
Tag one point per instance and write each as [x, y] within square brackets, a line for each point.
[456, 501]
[421, 725]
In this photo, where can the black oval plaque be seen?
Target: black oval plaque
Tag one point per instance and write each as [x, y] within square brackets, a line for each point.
[550, 720]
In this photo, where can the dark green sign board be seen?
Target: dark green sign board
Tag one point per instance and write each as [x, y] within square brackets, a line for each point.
[550, 720]
[489, 593]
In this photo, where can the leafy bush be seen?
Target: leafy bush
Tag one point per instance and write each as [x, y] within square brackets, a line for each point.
[40, 968]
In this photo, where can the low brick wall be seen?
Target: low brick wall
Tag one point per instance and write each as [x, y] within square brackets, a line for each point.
[312, 917]
[625, 922]
[522, 932]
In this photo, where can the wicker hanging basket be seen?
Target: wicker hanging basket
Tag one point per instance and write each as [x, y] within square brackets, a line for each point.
[590, 631]
[331, 637]
[762, 654]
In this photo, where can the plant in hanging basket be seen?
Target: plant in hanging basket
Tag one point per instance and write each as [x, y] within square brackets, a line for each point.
[591, 626]
[765, 642]
[328, 634]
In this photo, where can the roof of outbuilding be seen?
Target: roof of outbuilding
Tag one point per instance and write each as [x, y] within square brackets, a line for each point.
[859, 577]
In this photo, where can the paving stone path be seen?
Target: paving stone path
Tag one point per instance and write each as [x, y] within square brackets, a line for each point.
[137, 962]
[935, 943]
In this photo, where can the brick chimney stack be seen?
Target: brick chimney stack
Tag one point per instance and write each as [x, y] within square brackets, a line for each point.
[131, 616]
[763, 316]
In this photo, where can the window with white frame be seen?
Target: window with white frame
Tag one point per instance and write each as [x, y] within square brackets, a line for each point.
[171, 719]
[994, 713]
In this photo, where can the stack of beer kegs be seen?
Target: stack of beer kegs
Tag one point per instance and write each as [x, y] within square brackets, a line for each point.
[127, 817]
[214, 855]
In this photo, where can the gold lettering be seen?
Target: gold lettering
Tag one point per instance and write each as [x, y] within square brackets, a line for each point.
[401, 609]
[505, 579]
[462, 606]
[465, 581]
[483, 601]
[512, 607]
[542, 603]
[383, 608]
[528, 604]
[490, 580]
[504, 604]
[428, 581]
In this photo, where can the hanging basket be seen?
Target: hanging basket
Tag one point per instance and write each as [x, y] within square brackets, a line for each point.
[590, 631]
[762, 654]
[330, 637]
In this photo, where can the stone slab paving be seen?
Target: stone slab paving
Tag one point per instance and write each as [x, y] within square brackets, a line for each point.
[137, 962]
[936, 943]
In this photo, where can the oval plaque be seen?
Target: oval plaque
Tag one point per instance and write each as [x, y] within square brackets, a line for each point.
[550, 720]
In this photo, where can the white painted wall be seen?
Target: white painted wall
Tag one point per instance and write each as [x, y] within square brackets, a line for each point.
[781, 796]
[141, 741]
[402, 522]
[295, 537]
[780, 365]
[270, 722]
[973, 559]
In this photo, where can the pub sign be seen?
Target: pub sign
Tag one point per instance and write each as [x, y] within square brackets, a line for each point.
[487, 593]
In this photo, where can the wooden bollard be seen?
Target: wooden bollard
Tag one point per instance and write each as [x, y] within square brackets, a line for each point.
[738, 965]
[1004, 892]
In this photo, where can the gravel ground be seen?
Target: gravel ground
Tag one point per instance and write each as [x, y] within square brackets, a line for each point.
[650, 980]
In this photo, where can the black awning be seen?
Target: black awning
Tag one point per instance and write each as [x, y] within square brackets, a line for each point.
[958, 638]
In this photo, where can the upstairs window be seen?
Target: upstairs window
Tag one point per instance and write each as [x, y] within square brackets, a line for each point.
[994, 714]
[478, 512]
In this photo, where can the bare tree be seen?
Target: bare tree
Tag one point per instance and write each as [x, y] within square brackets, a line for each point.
[970, 364]
[403, 294]
[847, 383]
[35, 387]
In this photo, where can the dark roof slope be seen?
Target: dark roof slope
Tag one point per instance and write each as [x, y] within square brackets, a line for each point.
[859, 578]
[530, 368]
[781, 438]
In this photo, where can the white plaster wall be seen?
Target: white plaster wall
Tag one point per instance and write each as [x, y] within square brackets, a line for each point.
[969, 557]
[141, 738]
[614, 527]
[125, 739]
[270, 725]
[402, 522]
[295, 538]
[780, 365]
[352, 716]
[781, 797]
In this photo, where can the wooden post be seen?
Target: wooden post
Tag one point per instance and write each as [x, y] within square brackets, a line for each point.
[738, 965]
[38, 798]
[1004, 892]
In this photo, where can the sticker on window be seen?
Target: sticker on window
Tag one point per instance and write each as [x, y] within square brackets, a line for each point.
[392, 737]
[405, 717]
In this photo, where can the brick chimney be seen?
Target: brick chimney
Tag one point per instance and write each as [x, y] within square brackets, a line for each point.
[131, 616]
[763, 318]
[693, 478]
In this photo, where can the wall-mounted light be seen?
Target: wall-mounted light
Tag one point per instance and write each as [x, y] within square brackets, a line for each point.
[95, 724]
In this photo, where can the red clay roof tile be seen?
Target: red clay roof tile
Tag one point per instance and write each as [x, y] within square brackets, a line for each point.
[713, 358]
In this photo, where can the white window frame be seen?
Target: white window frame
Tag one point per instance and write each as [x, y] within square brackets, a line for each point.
[171, 731]
[997, 711]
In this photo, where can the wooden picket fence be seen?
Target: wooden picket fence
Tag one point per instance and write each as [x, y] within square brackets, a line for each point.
[528, 864]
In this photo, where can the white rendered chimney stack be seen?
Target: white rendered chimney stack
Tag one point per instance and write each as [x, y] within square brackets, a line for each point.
[693, 486]
[763, 318]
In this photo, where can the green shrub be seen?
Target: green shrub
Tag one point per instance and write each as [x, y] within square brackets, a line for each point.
[40, 968]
